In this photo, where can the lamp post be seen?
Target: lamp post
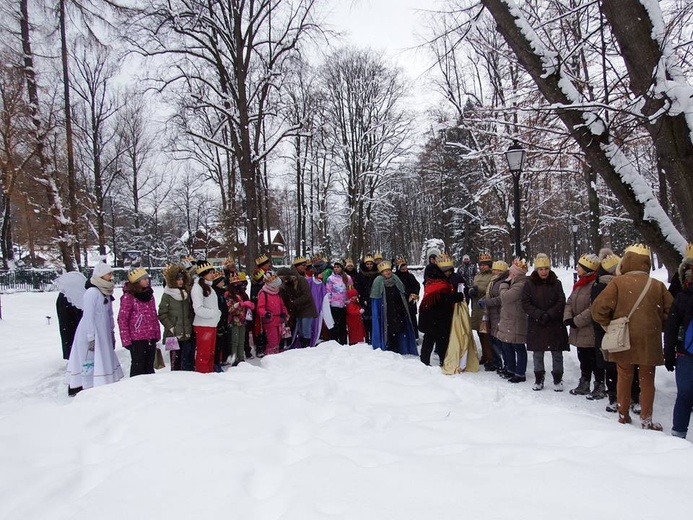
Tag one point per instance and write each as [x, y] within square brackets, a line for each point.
[575, 250]
[515, 155]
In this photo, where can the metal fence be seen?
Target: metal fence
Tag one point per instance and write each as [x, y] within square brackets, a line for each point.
[41, 280]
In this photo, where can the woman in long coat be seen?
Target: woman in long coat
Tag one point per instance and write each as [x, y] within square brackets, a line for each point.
[512, 326]
[93, 361]
[176, 316]
[645, 328]
[543, 300]
[577, 316]
[491, 304]
[392, 328]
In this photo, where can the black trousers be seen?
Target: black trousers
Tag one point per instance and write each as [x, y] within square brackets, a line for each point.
[588, 364]
[142, 354]
[439, 340]
[339, 331]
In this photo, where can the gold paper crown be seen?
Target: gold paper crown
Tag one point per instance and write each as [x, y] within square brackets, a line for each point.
[262, 259]
[258, 274]
[348, 262]
[378, 256]
[542, 260]
[638, 249]
[689, 250]
[589, 261]
[137, 274]
[485, 257]
[242, 277]
[204, 266]
[270, 276]
[384, 266]
[500, 265]
[444, 262]
[400, 261]
[300, 260]
[521, 263]
[236, 278]
[610, 262]
[368, 258]
[337, 261]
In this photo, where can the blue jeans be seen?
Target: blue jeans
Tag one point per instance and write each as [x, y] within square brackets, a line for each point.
[684, 396]
[498, 358]
[305, 327]
[516, 358]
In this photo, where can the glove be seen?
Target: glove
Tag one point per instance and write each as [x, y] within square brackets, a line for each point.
[481, 303]
[544, 319]
[91, 345]
[570, 323]
[670, 364]
[474, 292]
[268, 315]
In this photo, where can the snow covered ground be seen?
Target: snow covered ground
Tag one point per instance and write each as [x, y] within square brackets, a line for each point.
[330, 432]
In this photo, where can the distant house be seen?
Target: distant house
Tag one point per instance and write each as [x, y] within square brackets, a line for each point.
[209, 244]
[277, 246]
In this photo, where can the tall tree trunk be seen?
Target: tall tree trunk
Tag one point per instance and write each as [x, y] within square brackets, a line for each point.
[71, 174]
[599, 148]
[47, 177]
[6, 232]
[633, 29]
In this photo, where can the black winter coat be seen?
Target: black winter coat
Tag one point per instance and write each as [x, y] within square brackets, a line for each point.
[603, 279]
[363, 283]
[69, 317]
[436, 318]
[411, 286]
[544, 302]
[680, 315]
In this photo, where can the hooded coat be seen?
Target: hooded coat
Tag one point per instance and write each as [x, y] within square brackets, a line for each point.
[296, 294]
[175, 308]
[137, 317]
[492, 301]
[577, 308]
[542, 297]
[645, 324]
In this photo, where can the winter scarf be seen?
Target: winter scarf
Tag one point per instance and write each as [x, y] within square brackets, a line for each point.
[272, 287]
[178, 294]
[433, 290]
[584, 280]
[105, 286]
[515, 272]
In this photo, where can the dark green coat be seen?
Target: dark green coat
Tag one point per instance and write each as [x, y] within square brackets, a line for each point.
[176, 314]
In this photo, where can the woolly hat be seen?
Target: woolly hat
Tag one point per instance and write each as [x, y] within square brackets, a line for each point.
[137, 274]
[445, 262]
[433, 252]
[100, 269]
[499, 265]
[384, 266]
[589, 262]
[542, 260]
[466, 258]
[610, 262]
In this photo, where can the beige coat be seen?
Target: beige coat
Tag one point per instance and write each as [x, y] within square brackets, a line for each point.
[512, 327]
[645, 325]
[577, 308]
[481, 282]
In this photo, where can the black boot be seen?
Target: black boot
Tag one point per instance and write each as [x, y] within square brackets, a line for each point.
[305, 342]
[599, 391]
[538, 381]
[557, 381]
[583, 387]
[613, 405]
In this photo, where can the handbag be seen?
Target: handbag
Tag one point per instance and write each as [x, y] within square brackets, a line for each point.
[483, 326]
[617, 336]
[159, 359]
[172, 343]
[286, 331]
[88, 365]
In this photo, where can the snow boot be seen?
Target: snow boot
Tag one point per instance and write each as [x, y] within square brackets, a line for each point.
[557, 381]
[538, 381]
[624, 419]
[71, 392]
[517, 379]
[613, 405]
[305, 342]
[583, 387]
[599, 391]
[647, 424]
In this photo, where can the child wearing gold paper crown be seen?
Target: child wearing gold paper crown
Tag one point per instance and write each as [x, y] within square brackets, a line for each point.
[272, 312]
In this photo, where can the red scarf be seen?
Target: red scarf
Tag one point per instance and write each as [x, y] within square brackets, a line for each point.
[433, 289]
[584, 280]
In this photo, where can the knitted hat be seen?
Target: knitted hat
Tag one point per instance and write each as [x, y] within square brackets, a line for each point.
[300, 260]
[499, 265]
[384, 266]
[609, 263]
[203, 268]
[433, 252]
[137, 274]
[100, 269]
[466, 258]
[542, 260]
[589, 262]
[445, 262]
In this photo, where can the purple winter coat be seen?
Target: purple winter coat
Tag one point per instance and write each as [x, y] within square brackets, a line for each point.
[137, 317]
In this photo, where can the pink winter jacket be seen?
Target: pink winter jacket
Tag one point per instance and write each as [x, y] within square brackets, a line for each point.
[273, 303]
[137, 319]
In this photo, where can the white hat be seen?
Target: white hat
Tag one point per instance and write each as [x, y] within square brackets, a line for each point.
[100, 269]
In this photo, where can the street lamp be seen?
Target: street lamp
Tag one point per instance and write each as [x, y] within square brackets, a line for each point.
[515, 155]
[575, 250]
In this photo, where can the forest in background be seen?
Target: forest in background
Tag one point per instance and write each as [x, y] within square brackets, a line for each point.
[244, 116]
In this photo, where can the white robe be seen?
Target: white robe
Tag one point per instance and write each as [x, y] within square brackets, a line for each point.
[97, 325]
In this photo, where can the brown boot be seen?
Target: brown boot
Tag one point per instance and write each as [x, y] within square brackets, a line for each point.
[647, 424]
[624, 419]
